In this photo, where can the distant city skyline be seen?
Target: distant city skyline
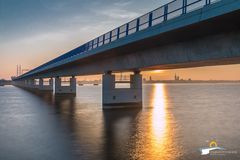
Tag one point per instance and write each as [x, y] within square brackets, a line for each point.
[34, 32]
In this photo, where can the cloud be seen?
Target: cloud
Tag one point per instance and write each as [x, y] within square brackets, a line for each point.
[122, 3]
[117, 13]
[55, 6]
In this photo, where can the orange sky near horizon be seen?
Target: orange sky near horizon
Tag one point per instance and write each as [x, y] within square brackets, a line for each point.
[225, 72]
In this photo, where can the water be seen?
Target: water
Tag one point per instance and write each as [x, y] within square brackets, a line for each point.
[175, 122]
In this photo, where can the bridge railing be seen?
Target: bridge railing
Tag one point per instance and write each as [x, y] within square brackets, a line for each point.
[164, 13]
[159, 15]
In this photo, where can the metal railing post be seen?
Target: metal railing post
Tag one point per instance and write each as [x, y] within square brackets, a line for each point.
[150, 19]
[137, 25]
[110, 36]
[97, 42]
[165, 12]
[127, 28]
[118, 32]
[92, 44]
[103, 41]
[208, 2]
[184, 6]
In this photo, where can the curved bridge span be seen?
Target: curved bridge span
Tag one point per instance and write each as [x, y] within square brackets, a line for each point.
[180, 34]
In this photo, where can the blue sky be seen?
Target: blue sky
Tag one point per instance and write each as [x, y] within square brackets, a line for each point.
[28, 18]
[35, 31]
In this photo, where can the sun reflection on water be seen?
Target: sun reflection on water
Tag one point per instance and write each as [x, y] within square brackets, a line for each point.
[156, 131]
[159, 114]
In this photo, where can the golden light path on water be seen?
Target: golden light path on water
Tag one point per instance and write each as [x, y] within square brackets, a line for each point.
[159, 115]
[156, 133]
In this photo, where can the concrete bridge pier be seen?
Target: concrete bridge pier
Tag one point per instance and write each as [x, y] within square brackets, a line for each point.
[30, 84]
[43, 87]
[19, 83]
[113, 97]
[25, 83]
[34, 84]
[60, 89]
[22, 83]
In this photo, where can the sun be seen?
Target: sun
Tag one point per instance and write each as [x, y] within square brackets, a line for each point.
[157, 71]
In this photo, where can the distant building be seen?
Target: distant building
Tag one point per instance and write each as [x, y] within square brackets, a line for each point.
[176, 78]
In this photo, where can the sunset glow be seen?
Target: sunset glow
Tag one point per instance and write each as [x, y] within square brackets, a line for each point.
[64, 25]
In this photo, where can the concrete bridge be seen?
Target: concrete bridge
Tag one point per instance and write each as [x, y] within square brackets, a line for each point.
[180, 34]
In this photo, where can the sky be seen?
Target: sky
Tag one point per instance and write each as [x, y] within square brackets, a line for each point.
[33, 32]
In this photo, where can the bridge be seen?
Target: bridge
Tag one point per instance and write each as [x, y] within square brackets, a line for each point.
[180, 34]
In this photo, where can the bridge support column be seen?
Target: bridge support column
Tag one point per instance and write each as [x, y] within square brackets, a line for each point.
[31, 84]
[19, 83]
[71, 89]
[121, 97]
[25, 83]
[43, 87]
[34, 84]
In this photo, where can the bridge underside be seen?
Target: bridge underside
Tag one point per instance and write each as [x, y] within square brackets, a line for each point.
[213, 50]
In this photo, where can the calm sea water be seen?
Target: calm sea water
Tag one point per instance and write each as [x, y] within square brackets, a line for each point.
[176, 120]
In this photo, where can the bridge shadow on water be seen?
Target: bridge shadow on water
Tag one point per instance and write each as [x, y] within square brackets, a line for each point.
[119, 129]
[95, 133]
[136, 133]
